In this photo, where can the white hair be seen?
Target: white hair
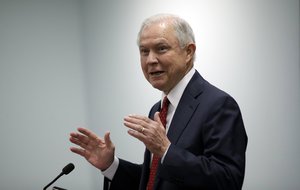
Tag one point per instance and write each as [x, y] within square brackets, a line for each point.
[183, 30]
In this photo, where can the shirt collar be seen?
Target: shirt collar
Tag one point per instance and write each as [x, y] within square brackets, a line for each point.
[176, 93]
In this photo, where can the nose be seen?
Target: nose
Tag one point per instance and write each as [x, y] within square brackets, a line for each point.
[152, 58]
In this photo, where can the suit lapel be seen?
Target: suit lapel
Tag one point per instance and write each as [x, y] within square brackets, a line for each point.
[186, 107]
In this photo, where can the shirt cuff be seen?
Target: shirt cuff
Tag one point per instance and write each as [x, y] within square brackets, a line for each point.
[111, 170]
[162, 159]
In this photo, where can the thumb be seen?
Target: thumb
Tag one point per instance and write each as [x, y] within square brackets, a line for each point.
[157, 118]
[107, 139]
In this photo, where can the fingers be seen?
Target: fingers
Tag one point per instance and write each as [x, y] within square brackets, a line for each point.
[79, 151]
[138, 123]
[157, 118]
[137, 126]
[151, 132]
[107, 140]
[142, 127]
[79, 140]
[84, 138]
[88, 133]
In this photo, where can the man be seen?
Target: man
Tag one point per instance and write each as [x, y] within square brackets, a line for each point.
[198, 138]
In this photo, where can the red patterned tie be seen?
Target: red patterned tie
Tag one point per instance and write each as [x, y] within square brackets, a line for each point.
[155, 160]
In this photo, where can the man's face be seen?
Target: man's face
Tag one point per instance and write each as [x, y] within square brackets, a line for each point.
[163, 62]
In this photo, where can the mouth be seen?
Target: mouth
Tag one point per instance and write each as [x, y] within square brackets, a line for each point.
[156, 73]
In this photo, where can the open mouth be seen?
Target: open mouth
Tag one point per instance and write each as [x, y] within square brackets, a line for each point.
[157, 73]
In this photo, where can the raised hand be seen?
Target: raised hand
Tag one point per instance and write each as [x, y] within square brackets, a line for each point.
[151, 132]
[99, 152]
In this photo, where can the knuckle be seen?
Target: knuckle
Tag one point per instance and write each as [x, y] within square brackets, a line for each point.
[146, 119]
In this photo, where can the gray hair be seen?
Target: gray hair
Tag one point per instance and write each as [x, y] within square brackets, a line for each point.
[183, 30]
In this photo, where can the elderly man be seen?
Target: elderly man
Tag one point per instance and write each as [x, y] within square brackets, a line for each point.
[194, 137]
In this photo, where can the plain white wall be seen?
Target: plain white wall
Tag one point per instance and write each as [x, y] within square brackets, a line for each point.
[42, 93]
[69, 63]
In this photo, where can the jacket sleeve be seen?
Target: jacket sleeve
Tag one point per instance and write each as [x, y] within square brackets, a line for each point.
[127, 177]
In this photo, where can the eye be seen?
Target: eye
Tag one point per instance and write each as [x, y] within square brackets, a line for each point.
[144, 51]
[162, 48]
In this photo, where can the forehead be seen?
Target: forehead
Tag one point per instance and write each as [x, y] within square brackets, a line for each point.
[160, 32]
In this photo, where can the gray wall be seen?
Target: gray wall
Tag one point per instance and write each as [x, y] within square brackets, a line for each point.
[42, 93]
[65, 64]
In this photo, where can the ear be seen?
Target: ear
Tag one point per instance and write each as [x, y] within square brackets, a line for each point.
[190, 51]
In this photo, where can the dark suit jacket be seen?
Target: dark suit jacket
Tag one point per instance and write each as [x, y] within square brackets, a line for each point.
[208, 145]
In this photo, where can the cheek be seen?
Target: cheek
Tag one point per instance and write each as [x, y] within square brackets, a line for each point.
[176, 71]
[143, 65]
[144, 69]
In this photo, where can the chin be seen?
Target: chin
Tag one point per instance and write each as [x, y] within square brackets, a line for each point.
[158, 87]
[158, 84]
